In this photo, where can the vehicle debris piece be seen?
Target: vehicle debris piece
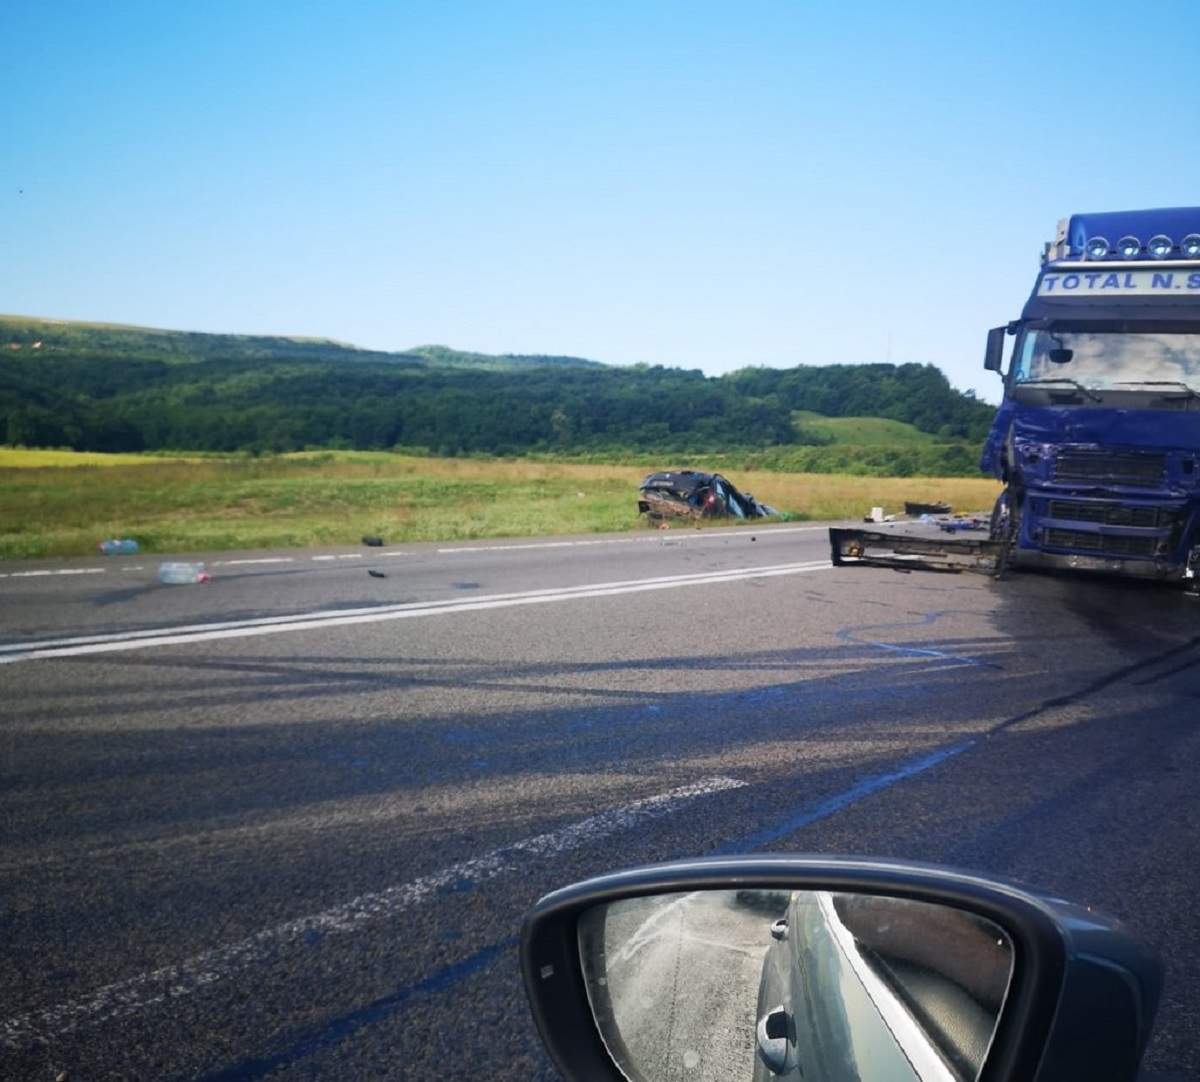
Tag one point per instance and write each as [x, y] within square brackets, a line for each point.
[911, 552]
[954, 525]
[124, 547]
[373, 541]
[916, 510]
[182, 574]
[690, 494]
[376, 574]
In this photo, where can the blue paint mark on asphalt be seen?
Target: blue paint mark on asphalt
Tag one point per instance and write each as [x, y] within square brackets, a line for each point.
[458, 886]
[349, 1024]
[807, 814]
[847, 634]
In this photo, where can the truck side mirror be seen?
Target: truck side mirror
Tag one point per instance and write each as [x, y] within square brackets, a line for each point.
[994, 354]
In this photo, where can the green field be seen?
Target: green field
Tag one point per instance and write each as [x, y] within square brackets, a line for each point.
[862, 431]
[333, 498]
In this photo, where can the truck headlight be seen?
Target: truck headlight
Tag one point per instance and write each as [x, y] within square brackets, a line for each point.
[1160, 246]
[1129, 247]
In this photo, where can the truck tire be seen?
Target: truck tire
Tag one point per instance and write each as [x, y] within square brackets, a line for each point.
[1003, 524]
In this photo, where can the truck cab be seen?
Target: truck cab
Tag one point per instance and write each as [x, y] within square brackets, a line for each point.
[1097, 440]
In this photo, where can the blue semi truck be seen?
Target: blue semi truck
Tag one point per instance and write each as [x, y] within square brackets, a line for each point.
[1097, 440]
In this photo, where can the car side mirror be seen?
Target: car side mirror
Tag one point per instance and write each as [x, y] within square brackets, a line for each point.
[993, 356]
[805, 968]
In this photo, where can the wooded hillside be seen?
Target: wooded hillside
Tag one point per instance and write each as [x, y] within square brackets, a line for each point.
[109, 388]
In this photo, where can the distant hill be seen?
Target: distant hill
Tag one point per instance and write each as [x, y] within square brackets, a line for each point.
[101, 387]
[132, 343]
[444, 357]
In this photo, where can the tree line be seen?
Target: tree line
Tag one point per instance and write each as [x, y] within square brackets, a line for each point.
[102, 400]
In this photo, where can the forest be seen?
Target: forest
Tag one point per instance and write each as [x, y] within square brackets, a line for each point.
[98, 388]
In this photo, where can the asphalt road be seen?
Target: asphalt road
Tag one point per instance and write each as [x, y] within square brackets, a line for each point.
[682, 975]
[286, 824]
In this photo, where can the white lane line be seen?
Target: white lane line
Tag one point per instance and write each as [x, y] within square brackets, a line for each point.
[58, 571]
[136, 994]
[269, 625]
[712, 535]
[261, 560]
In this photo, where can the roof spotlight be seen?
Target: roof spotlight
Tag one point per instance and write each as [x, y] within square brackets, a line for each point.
[1160, 246]
[1190, 246]
[1098, 247]
[1129, 247]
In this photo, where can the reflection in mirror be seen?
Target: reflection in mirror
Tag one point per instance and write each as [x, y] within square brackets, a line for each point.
[755, 985]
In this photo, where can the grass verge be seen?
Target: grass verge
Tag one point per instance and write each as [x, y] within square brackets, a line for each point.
[333, 498]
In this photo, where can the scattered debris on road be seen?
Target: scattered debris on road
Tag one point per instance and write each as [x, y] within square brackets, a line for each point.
[124, 547]
[181, 574]
[376, 574]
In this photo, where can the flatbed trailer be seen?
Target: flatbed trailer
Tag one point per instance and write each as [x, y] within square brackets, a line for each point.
[906, 550]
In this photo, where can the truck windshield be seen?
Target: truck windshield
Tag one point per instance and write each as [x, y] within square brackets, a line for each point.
[1109, 360]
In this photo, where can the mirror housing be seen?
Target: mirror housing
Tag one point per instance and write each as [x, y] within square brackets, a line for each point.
[1080, 1004]
[993, 356]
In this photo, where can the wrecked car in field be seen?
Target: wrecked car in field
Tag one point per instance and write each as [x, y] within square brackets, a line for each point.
[689, 494]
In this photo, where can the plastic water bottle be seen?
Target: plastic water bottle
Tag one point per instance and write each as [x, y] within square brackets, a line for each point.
[181, 574]
[125, 547]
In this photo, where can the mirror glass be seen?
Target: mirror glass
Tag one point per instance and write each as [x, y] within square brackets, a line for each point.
[806, 985]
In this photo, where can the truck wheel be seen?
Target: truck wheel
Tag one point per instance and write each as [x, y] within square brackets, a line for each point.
[1003, 525]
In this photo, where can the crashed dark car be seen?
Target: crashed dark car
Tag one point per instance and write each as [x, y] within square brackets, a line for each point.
[692, 495]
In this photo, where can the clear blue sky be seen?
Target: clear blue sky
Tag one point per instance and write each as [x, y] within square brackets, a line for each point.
[692, 184]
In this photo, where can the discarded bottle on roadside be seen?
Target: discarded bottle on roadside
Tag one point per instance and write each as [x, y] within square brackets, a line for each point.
[180, 574]
[123, 547]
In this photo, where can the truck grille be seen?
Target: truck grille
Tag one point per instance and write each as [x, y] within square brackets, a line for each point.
[1130, 467]
[1107, 544]
[1111, 514]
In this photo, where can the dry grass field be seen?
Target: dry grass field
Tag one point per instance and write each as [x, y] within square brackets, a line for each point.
[331, 498]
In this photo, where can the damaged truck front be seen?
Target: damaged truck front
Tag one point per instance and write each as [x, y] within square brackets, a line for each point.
[1097, 440]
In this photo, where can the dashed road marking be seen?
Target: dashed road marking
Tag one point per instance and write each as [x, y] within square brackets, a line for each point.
[56, 571]
[711, 535]
[136, 994]
[259, 560]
